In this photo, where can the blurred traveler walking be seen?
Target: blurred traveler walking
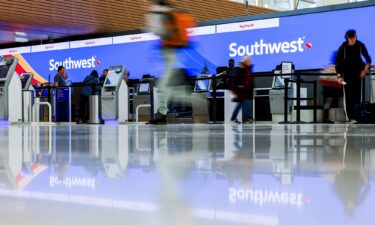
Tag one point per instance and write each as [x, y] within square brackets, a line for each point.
[241, 84]
[171, 25]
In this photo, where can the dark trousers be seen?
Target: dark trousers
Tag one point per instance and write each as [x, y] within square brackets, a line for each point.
[246, 107]
[352, 95]
[83, 105]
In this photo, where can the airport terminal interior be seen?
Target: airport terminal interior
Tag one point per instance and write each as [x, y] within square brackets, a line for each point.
[181, 112]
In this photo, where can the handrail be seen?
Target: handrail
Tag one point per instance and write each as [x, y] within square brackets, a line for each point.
[36, 111]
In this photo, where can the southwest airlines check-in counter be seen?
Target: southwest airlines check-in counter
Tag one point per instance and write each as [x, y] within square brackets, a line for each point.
[115, 97]
[286, 38]
[115, 100]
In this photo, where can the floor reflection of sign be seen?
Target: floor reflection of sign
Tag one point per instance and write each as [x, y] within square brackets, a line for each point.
[62, 104]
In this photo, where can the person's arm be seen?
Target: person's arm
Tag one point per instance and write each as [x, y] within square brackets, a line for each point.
[97, 86]
[56, 81]
[365, 54]
[339, 61]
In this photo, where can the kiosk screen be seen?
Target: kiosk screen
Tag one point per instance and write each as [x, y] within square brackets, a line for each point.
[112, 79]
[114, 74]
[24, 79]
[144, 88]
[278, 83]
[202, 85]
[4, 69]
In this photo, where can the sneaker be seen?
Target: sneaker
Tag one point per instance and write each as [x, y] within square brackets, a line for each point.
[159, 119]
[352, 122]
[326, 120]
[235, 121]
[248, 121]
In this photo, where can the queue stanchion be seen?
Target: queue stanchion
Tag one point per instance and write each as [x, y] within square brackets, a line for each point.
[214, 98]
[315, 102]
[49, 88]
[22, 108]
[298, 98]
[152, 108]
[286, 99]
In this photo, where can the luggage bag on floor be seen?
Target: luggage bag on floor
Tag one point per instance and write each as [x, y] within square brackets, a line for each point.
[365, 111]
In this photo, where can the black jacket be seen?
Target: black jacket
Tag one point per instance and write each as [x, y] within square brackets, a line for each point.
[349, 58]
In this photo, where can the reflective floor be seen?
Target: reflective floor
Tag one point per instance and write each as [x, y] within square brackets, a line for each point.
[187, 174]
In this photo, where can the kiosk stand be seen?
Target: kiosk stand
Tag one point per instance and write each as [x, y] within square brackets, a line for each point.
[10, 91]
[115, 96]
[205, 87]
[201, 89]
[28, 93]
[144, 104]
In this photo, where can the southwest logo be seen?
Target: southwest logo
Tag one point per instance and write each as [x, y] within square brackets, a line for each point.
[308, 45]
[263, 48]
[70, 63]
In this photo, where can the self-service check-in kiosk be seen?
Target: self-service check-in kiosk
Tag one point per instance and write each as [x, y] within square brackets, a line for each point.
[115, 96]
[28, 93]
[144, 100]
[223, 107]
[10, 91]
[277, 101]
[277, 96]
[277, 93]
[201, 88]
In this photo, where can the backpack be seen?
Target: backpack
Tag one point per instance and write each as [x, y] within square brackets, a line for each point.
[177, 25]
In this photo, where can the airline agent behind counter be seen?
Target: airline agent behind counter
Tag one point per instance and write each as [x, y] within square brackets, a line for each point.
[59, 77]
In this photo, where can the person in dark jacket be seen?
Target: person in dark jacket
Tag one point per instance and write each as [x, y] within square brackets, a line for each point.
[103, 76]
[241, 85]
[351, 69]
[91, 87]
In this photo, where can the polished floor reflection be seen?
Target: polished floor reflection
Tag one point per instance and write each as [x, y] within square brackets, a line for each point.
[187, 174]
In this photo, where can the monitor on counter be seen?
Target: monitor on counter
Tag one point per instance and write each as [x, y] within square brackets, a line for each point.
[279, 83]
[203, 85]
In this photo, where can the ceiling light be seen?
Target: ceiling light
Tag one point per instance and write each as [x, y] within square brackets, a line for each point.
[19, 33]
[21, 39]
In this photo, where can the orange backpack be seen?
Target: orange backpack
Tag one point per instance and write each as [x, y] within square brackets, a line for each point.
[177, 27]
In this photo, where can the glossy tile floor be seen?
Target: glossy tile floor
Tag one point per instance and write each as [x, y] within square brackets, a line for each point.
[187, 175]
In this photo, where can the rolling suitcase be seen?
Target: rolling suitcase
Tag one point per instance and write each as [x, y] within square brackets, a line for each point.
[365, 111]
